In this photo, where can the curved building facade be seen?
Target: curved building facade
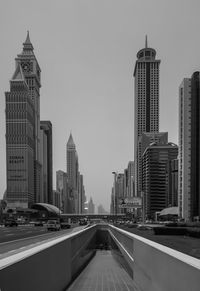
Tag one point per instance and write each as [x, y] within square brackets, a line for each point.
[46, 210]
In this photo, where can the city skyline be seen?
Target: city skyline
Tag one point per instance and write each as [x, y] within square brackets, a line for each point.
[87, 75]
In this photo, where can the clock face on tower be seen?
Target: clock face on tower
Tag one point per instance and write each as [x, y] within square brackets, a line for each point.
[26, 66]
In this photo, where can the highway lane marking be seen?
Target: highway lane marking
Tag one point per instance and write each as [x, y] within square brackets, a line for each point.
[16, 257]
[5, 230]
[36, 244]
[75, 229]
[27, 247]
[21, 229]
[9, 253]
[29, 237]
[15, 251]
[16, 230]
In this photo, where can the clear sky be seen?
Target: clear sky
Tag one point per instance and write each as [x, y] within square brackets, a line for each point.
[87, 51]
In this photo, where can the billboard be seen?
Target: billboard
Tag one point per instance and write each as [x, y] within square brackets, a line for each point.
[131, 202]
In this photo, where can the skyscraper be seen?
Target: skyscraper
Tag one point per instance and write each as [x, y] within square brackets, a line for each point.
[43, 195]
[195, 146]
[20, 143]
[62, 188]
[112, 202]
[173, 183]
[146, 74]
[117, 192]
[156, 175]
[72, 173]
[46, 128]
[27, 63]
[101, 210]
[91, 206]
[81, 194]
[189, 148]
[145, 139]
[131, 176]
[56, 198]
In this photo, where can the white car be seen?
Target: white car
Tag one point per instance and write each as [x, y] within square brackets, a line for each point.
[53, 225]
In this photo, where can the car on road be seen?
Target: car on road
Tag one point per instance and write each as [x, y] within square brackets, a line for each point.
[83, 221]
[10, 222]
[64, 225]
[132, 225]
[143, 227]
[21, 221]
[53, 225]
[38, 223]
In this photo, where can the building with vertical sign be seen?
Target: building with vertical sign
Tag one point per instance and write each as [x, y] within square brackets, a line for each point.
[20, 143]
[23, 130]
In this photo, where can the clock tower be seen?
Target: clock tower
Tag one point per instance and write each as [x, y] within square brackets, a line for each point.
[31, 71]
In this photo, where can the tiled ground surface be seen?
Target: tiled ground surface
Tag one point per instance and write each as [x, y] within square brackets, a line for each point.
[103, 273]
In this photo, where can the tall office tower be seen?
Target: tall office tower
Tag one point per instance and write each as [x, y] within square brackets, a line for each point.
[112, 201]
[184, 187]
[195, 146]
[119, 191]
[146, 74]
[125, 182]
[91, 206]
[42, 196]
[189, 148]
[46, 127]
[72, 173]
[101, 210]
[31, 71]
[81, 194]
[155, 180]
[62, 188]
[20, 144]
[173, 183]
[145, 139]
[131, 176]
[56, 198]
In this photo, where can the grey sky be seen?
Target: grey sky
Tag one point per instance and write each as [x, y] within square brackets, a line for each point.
[87, 51]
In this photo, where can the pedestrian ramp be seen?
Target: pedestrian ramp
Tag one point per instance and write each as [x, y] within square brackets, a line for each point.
[105, 272]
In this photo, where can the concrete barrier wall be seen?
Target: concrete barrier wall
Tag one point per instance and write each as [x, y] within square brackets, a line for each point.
[53, 265]
[50, 266]
[159, 268]
[125, 244]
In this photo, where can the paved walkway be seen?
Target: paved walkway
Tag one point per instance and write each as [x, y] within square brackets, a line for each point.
[103, 273]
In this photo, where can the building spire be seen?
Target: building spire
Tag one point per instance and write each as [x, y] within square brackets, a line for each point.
[146, 45]
[28, 47]
[27, 41]
[70, 140]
